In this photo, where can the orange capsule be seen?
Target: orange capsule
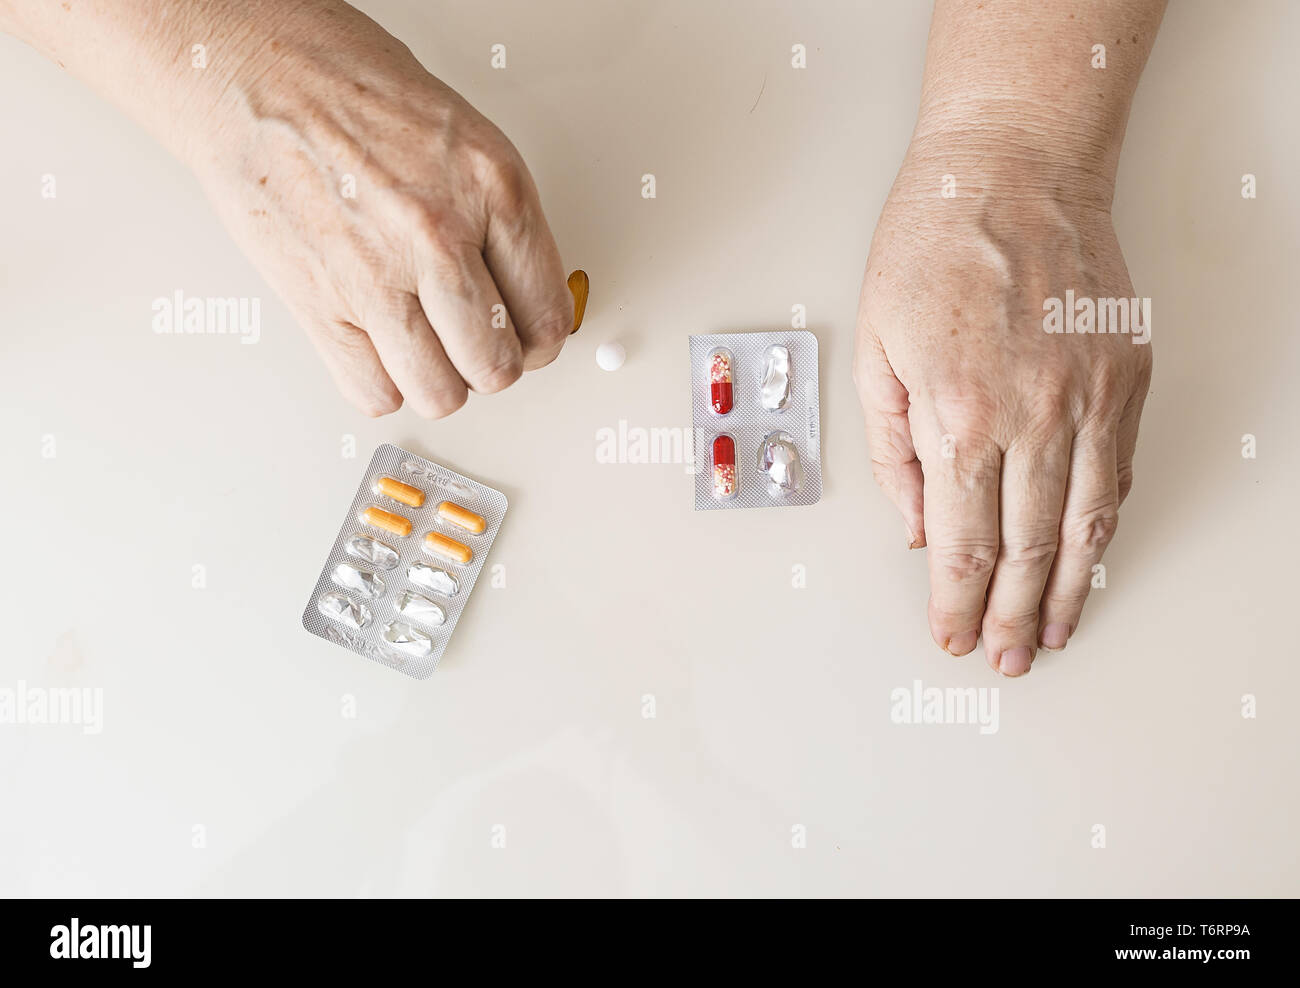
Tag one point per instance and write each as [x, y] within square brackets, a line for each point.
[386, 520]
[461, 517]
[400, 492]
[579, 287]
[440, 545]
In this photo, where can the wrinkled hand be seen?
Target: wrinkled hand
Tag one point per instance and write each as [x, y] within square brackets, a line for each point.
[1007, 449]
[398, 224]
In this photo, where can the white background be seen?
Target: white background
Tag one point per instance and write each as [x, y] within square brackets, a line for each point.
[772, 702]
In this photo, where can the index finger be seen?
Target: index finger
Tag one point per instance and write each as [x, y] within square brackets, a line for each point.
[525, 264]
[961, 527]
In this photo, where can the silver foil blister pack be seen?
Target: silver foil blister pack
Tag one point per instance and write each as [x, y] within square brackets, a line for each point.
[396, 598]
[755, 407]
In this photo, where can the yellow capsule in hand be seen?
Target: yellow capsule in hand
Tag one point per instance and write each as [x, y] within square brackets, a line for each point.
[580, 286]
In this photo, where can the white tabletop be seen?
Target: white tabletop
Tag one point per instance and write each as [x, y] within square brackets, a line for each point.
[227, 763]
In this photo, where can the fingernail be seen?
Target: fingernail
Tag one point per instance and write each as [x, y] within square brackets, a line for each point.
[914, 541]
[1015, 661]
[961, 644]
[1056, 634]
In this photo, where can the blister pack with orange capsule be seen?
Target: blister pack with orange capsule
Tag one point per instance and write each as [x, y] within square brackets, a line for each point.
[405, 561]
[755, 406]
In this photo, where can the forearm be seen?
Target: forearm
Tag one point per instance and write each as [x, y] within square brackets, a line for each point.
[141, 55]
[1015, 85]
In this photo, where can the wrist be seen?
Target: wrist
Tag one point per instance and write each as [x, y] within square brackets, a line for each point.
[1013, 149]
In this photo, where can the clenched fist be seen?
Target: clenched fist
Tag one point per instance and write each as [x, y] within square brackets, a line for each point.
[400, 226]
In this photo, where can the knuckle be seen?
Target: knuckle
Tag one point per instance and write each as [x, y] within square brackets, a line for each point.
[1110, 384]
[445, 245]
[970, 466]
[961, 396]
[1030, 551]
[972, 561]
[1091, 533]
[887, 454]
[499, 169]
[1002, 627]
[550, 328]
[433, 227]
[500, 375]
[377, 405]
[945, 623]
[971, 433]
[405, 308]
[1049, 409]
[1065, 601]
[965, 442]
[440, 404]
[1125, 481]
[1145, 365]
[450, 270]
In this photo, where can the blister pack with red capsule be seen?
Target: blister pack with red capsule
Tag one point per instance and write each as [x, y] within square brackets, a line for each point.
[756, 411]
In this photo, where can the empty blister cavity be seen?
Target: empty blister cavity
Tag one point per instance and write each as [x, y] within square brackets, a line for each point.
[778, 460]
[721, 381]
[420, 609]
[774, 386]
[401, 637]
[724, 467]
[433, 578]
[369, 585]
[338, 608]
[373, 551]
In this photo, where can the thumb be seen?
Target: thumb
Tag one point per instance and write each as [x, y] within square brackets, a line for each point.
[889, 434]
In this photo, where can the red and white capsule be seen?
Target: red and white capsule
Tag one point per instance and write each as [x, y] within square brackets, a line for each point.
[720, 381]
[724, 467]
